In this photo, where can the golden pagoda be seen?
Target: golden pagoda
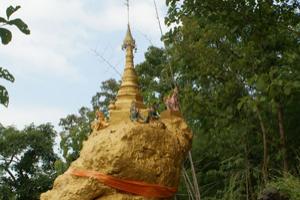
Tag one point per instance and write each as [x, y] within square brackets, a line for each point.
[129, 90]
[124, 159]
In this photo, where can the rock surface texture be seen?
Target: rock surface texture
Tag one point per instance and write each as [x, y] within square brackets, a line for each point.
[151, 153]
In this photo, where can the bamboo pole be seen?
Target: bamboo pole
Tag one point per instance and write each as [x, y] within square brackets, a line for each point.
[187, 186]
[196, 186]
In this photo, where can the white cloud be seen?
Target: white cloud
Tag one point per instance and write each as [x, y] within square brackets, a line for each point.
[22, 116]
[51, 45]
[62, 31]
[144, 18]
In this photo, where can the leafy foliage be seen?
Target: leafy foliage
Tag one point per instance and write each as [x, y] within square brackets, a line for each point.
[6, 37]
[237, 64]
[108, 93]
[26, 161]
[5, 33]
[288, 185]
[4, 74]
[155, 78]
[76, 128]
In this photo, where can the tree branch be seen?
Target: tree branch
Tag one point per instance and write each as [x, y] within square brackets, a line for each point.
[10, 173]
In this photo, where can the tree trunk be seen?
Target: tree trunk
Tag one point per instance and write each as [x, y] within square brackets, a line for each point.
[265, 143]
[249, 188]
[247, 173]
[283, 148]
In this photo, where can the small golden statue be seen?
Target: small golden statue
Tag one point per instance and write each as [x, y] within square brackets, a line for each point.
[100, 122]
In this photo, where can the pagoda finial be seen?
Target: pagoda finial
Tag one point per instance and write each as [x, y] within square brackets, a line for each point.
[129, 90]
[129, 41]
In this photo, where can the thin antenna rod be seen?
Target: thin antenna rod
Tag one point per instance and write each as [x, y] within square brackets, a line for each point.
[161, 34]
[128, 10]
[157, 16]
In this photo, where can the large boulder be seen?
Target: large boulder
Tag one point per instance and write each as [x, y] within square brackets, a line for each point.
[151, 153]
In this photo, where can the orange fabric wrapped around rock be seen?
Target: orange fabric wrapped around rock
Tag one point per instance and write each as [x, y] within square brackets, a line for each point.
[129, 186]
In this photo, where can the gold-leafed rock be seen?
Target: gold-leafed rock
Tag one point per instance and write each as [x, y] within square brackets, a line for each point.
[147, 152]
[132, 151]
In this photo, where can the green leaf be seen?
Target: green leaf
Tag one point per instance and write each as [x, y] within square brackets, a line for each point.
[5, 36]
[240, 105]
[262, 99]
[4, 99]
[10, 10]
[20, 24]
[234, 29]
[287, 90]
[4, 73]
[243, 101]
[261, 83]
[2, 20]
[296, 84]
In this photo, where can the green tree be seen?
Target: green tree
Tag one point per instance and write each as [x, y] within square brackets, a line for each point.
[76, 129]
[108, 92]
[26, 161]
[155, 78]
[237, 64]
[6, 36]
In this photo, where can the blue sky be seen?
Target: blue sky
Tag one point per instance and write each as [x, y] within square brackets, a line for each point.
[55, 69]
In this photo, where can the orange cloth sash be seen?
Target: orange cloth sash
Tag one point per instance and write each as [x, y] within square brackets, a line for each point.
[129, 186]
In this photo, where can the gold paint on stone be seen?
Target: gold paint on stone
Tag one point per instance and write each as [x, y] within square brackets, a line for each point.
[152, 152]
[129, 90]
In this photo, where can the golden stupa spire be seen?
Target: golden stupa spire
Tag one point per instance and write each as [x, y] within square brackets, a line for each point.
[129, 46]
[129, 90]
